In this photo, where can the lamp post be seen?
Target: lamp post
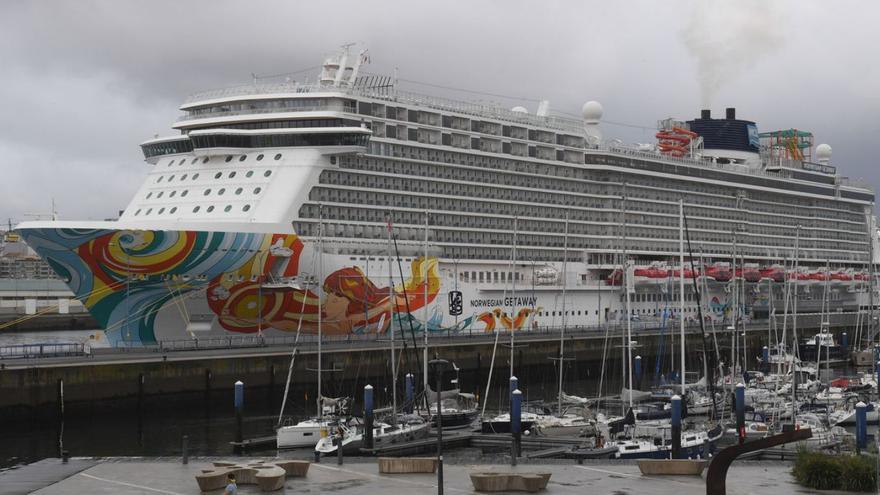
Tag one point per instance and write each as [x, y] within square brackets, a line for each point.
[439, 365]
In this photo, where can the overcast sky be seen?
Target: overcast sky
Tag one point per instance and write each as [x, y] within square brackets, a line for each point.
[84, 82]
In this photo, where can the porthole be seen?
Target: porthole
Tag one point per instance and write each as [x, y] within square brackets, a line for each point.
[161, 211]
[238, 191]
[205, 160]
[259, 157]
[172, 194]
[160, 179]
[228, 158]
[160, 194]
[228, 207]
[194, 160]
[242, 158]
[137, 212]
[183, 177]
[149, 210]
[171, 178]
[218, 175]
[257, 190]
[149, 194]
[221, 191]
[171, 163]
[267, 173]
[245, 207]
[207, 192]
[250, 173]
[196, 209]
[195, 176]
[210, 209]
[232, 174]
[278, 156]
[173, 210]
[184, 193]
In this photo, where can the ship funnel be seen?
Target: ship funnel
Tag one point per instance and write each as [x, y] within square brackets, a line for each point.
[705, 113]
[731, 113]
[543, 109]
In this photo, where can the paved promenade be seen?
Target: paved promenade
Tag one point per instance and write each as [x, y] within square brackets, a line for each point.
[359, 476]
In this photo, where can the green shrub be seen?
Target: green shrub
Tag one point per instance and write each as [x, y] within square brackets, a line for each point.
[826, 472]
[858, 473]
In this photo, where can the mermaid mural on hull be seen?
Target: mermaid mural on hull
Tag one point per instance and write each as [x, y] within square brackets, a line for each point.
[125, 277]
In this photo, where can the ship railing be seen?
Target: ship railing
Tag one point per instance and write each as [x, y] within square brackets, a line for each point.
[44, 350]
[232, 113]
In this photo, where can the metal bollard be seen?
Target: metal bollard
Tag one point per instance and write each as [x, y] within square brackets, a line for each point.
[741, 412]
[185, 449]
[339, 437]
[65, 456]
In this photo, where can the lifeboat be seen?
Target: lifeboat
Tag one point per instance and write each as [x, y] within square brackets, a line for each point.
[860, 276]
[841, 277]
[615, 277]
[773, 273]
[749, 272]
[720, 272]
[819, 276]
[644, 275]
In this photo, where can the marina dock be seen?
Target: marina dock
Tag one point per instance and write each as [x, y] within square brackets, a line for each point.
[125, 476]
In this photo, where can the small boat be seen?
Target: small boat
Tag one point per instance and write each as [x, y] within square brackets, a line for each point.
[846, 416]
[719, 272]
[410, 429]
[774, 273]
[305, 433]
[749, 272]
[824, 342]
[501, 423]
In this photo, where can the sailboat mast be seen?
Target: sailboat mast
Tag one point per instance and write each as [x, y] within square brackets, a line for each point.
[391, 328]
[794, 368]
[564, 312]
[320, 300]
[425, 275]
[627, 281]
[681, 283]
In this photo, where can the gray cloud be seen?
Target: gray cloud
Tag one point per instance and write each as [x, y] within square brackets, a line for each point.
[84, 82]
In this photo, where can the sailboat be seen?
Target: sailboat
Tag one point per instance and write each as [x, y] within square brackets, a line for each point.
[459, 409]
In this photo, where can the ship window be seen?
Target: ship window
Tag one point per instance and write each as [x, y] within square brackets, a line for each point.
[228, 207]
[137, 213]
[232, 174]
[172, 194]
[218, 175]
[195, 176]
[171, 163]
[210, 209]
[150, 210]
[259, 157]
[149, 194]
[238, 191]
[242, 158]
[184, 193]
[196, 209]
[205, 160]
[249, 173]
[171, 178]
[207, 192]
[245, 207]
[267, 173]
[161, 211]
[160, 179]
[228, 158]
[278, 156]
[193, 161]
[183, 177]
[160, 194]
[221, 191]
[173, 210]
[257, 190]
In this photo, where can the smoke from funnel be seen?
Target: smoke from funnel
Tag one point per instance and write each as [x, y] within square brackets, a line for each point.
[726, 38]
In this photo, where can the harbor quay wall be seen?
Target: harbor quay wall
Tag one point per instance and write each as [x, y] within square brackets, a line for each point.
[35, 386]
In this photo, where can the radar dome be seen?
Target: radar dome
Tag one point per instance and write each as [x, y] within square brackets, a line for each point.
[592, 110]
[519, 110]
[823, 152]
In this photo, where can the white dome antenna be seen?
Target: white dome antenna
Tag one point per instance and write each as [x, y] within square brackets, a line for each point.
[519, 109]
[592, 112]
[823, 154]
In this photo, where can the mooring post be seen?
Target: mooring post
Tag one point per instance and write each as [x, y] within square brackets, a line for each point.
[185, 449]
[410, 392]
[861, 426]
[638, 370]
[844, 343]
[239, 410]
[515, 424]
[368, 418]
[741, 412]
[676, 427]
[514, 385]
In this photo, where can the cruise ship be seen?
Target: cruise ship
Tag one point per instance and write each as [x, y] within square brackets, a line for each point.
[350, 204]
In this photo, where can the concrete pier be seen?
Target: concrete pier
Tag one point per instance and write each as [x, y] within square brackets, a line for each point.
[150, 476]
